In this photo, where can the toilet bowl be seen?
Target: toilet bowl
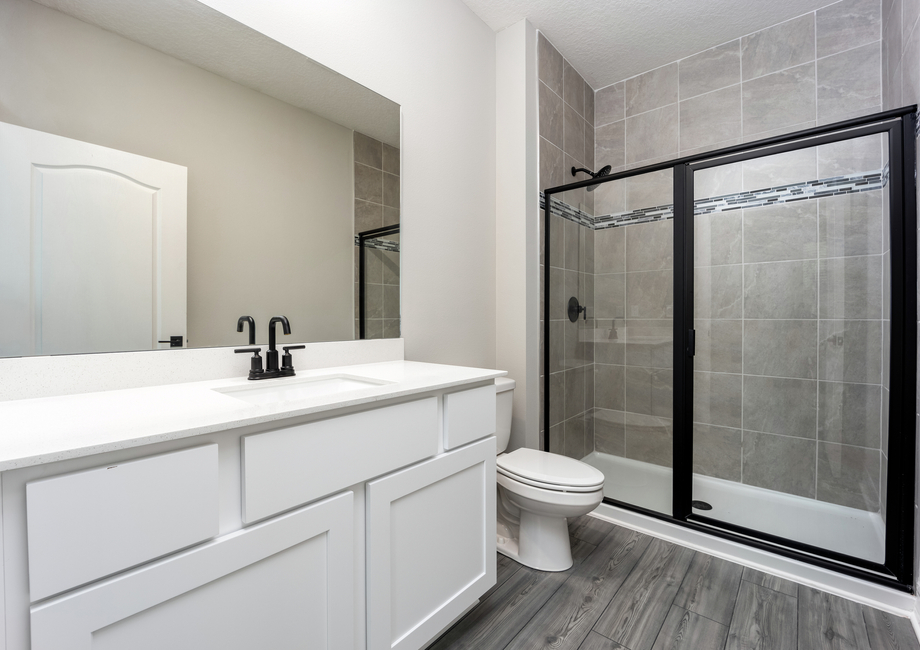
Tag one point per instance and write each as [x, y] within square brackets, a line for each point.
[537, 492]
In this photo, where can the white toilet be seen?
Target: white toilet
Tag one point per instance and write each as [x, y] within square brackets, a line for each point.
[537, 491]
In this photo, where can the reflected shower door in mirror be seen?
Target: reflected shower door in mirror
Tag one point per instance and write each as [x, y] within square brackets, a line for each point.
[277, 179]
[611, 376]
[792, 304]
[377, 287]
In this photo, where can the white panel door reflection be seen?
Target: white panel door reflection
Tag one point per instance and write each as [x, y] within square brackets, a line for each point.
[93, 243]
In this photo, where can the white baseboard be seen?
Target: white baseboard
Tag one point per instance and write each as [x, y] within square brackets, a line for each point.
[861, 591]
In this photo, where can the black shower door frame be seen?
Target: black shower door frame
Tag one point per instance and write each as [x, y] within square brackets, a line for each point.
[900, 126]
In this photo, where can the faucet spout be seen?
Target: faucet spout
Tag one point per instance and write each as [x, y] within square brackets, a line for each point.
[252, 327]
[271, 357]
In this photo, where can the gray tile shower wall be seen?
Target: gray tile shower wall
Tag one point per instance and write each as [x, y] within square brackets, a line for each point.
[900, 87]
[820, 67]
[377, 205]
[566, 127]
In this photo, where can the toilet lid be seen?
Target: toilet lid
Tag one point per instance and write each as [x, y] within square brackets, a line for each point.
[551, 469]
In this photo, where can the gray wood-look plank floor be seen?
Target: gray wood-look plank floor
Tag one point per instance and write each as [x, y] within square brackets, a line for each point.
[629, 591]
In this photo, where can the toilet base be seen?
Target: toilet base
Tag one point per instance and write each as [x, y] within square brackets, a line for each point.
[541, 543]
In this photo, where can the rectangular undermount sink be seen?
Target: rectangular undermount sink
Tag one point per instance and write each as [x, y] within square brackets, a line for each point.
[275, 391]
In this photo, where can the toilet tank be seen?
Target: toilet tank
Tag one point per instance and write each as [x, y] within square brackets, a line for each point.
[504, 396]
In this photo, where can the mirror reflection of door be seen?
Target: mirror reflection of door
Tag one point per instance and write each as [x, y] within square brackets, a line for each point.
[93, 256]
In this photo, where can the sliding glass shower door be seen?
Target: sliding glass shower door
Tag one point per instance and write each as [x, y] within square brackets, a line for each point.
[791, 301]
[731, 338]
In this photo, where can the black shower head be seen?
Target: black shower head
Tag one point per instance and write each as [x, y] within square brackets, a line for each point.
[603, 171]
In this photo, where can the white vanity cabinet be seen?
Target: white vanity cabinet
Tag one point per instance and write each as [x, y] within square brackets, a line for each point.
[283, 584]
[430, 548]
[365, 527]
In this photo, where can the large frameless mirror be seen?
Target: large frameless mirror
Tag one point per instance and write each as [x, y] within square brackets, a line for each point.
[165, 170]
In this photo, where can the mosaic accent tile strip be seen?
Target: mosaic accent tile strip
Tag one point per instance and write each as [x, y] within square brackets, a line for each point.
[379, 244]
[752, 199]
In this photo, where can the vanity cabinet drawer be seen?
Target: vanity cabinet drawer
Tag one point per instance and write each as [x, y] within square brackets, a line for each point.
[468, 415]
[93, 523]
[285, 468]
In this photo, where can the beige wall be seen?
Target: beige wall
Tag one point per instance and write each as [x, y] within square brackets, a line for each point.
[270, 185]
[436, 59]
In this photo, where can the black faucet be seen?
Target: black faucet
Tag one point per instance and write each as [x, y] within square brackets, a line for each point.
[271, 357]
[252, 327]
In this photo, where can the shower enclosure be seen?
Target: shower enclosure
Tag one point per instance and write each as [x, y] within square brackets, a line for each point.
[731, 338]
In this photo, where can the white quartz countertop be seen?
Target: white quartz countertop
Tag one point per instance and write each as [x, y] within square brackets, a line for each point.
[49, 429]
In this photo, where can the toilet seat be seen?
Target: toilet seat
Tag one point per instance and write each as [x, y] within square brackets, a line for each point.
[549, 471]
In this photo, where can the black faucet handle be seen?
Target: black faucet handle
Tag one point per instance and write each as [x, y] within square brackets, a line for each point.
[287, 360]
[255, 364]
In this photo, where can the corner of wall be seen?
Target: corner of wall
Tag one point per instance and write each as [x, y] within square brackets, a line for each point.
[517, 330]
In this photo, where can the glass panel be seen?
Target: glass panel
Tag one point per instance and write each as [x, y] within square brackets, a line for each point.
[381, 295]
[620, 356]
[790, 300]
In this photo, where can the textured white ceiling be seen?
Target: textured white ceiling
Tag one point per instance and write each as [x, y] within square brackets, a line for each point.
[610, 40]
[193, 32]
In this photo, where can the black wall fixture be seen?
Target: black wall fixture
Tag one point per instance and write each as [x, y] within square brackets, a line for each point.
[899, 127]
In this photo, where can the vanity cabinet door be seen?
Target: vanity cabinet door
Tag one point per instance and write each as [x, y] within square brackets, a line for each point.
[284, 584]
[430, 545]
